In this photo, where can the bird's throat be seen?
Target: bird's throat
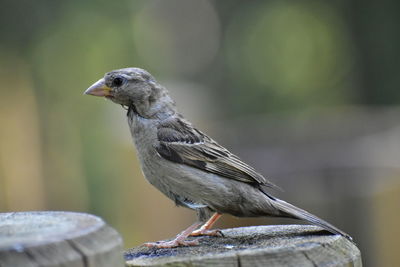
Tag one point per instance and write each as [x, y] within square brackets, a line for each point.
[132, 111]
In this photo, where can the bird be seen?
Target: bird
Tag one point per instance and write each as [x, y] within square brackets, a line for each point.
[187, 165]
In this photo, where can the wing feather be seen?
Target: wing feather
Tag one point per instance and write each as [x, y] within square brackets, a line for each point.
[180, 142]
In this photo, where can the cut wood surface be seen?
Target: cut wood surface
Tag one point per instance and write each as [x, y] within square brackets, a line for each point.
[57, 239]
[274, 245]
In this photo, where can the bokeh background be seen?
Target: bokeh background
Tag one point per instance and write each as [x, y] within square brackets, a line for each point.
[306, 91]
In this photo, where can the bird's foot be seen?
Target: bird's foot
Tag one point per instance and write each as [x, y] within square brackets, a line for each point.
[206, 232]
[172, 244]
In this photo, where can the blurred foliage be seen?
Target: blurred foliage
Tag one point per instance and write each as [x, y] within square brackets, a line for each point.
[64, 151]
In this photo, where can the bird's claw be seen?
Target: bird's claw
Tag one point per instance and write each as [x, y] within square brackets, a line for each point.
[172, 244]
[204, 232]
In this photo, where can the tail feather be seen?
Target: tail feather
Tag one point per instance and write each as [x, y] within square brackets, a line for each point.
[294, 212]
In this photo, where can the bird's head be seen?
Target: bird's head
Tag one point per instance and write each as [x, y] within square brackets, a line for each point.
[133, 87]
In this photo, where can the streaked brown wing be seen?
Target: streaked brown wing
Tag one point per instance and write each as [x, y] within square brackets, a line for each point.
[180, 142]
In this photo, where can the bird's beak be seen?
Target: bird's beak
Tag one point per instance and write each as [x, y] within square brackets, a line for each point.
[99, 88]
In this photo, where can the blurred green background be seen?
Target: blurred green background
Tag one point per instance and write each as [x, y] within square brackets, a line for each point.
[306, 91]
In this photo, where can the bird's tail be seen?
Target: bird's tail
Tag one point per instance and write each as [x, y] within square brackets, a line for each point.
[292, 211]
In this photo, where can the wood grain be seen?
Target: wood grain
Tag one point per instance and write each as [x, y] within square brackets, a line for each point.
[277, 245]
[57, 239]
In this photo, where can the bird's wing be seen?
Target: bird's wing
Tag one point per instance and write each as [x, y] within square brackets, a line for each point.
[180, 142]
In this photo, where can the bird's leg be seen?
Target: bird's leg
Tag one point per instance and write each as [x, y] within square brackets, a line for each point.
[205, 228]
[180, 239]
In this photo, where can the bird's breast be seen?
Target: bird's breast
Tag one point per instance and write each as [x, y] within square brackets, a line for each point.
[144, 134]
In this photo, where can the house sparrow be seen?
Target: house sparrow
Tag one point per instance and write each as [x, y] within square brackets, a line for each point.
[188, 166]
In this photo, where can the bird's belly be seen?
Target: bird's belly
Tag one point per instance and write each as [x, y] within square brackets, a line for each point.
[220, 194]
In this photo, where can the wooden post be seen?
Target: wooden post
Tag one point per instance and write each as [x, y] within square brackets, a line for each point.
[50, 239]
[274, 245]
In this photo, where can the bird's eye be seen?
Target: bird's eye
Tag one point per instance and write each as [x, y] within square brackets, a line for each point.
[118, 81]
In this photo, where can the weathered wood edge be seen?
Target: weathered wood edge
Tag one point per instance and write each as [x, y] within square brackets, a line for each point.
[88, 242]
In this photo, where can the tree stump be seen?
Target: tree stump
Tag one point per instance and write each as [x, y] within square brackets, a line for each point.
[71, 239]
[275, 245]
